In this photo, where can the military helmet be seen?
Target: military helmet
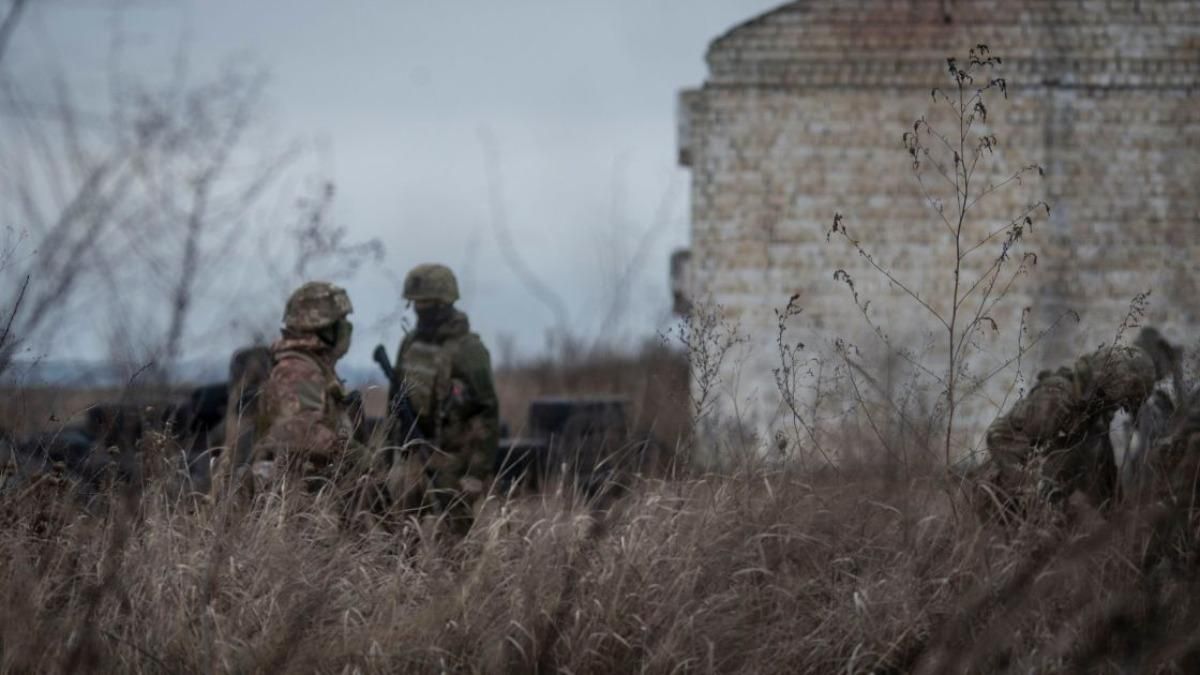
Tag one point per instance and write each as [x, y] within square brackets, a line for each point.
[315, 305]
[431, 282]
[1117, 375]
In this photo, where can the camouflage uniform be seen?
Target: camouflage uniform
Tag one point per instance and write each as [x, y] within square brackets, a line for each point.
[1062, 424]
[447, 373]
[305, 419]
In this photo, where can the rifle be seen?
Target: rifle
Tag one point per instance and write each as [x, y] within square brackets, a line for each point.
[400, 406]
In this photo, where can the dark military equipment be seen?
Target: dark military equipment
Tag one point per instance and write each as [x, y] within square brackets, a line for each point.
[193, 424]
[586, 441]
[103, 446]
[400, 407]
[231, 443]
[207, 405]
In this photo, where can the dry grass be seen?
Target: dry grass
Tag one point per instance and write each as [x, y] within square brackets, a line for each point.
[757, 571]
[30, 410]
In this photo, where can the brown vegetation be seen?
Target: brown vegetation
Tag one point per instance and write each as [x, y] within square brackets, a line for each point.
[764, 567]
[754, 571]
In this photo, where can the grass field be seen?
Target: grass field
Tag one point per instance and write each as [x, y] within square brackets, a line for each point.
[756, 570]
[760, 568]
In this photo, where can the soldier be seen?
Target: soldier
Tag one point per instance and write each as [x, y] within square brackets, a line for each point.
[447, 374]
[305, 419]
[1063, 424]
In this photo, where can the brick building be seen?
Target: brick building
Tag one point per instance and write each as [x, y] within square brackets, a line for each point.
[801, 116]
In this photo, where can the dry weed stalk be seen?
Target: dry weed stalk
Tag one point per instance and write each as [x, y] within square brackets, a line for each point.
[984, 266]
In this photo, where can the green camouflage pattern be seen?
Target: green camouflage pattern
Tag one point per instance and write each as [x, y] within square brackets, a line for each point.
[431, 282]
[315, 305]
[1035, 419]
[1055, 438]
[450, 381]
[427, 374]
[1115, 377]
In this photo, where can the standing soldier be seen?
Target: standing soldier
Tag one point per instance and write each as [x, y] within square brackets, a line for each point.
[447, 374]
[305, 418]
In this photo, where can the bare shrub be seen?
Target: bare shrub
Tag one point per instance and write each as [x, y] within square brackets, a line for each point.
[164, 208]
[955, 171]
[709, 341]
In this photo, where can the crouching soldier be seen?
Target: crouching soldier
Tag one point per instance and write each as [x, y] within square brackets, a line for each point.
[1056, 440]
[305, 422]
[446, 372]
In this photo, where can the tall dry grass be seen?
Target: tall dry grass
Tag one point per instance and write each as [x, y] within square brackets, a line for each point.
[758, 570]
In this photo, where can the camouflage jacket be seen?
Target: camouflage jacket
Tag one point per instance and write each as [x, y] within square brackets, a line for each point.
[450, 382]
[303, 407]
[1068, 402]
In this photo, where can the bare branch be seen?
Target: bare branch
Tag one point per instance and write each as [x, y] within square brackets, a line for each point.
[10, 24]
[539, 290]
[13, 315]
[866, 255]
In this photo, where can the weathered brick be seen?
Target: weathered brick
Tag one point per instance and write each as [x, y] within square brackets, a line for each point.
[801, 116]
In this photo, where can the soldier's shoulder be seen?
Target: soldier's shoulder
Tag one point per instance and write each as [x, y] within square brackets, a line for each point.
[306, 385]
[470, 347]
[295, 366]
[471, 341]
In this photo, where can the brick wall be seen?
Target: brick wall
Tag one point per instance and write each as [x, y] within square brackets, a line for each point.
[802, 114]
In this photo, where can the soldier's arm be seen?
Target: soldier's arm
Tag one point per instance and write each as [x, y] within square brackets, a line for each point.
[474, 366]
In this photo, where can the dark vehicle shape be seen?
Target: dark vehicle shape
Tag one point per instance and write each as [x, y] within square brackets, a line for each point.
[586, 441]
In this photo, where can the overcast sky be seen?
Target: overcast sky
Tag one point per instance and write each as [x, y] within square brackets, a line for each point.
[396, 98]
